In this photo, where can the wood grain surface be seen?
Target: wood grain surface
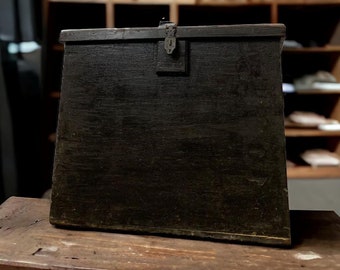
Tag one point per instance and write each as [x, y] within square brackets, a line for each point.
[201, 154]
[183, 32]
[29, 241]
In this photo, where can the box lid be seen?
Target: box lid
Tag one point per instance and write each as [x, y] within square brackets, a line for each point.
[104, 34]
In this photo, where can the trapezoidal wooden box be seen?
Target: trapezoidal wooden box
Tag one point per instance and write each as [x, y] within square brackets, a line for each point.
[173, 130]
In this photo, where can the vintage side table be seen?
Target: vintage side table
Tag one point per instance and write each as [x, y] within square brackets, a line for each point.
[28, 241]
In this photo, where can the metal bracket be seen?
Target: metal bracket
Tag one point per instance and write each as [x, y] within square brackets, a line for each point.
[174, 61]
[170, 37]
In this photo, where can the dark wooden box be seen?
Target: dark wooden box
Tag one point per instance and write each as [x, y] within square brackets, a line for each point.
[186, 141]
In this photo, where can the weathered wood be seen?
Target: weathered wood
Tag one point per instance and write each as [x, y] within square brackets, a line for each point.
[201, 155]
[28, 241]
[144, 33]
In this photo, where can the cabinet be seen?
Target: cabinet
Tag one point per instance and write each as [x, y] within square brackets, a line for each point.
[314, 24]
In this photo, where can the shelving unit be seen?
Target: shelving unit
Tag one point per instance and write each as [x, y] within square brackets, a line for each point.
[298, 132]
[310, 22]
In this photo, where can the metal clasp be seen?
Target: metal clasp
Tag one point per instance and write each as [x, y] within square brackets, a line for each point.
[170, 37]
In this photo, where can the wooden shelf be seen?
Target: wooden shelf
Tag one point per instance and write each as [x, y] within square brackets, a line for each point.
[310, 132]
[135, 2]
[154, 2]
[273, 2]
[206, 2]
[80, 1]
[317, 92]
[314, 92]
[306, 2]
[309, 172]
[233, 2]
[326, 49]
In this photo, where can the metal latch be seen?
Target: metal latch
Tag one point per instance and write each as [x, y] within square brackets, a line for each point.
[174, 60]
[170, 37]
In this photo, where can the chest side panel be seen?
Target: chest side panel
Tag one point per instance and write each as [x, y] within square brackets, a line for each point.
[200, 155]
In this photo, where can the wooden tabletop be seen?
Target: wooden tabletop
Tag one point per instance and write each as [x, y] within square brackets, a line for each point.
[28, 241]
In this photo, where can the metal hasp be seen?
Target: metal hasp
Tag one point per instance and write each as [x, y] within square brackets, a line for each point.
[170, 37]
[174, 61]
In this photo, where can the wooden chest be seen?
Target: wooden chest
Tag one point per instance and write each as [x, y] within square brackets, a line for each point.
[173, 131]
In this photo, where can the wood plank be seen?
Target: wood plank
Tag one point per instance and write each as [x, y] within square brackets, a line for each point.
[145, 33]
[336, 69]
[206, 2]
[317, 92]
[154, 2]
[274, 15]
[310, 132]
[326, 49]
[28, 241]
[308, 172]
[174, 13]
[109, 13]
[307, 2]
[80, 1]
[233, 2]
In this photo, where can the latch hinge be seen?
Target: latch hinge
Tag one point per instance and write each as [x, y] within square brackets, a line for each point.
[174, 61]
[170, 37]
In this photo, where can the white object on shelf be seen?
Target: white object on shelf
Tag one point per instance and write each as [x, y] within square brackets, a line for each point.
[320, 157]
[326, 86]
[321, 80]
[329, 127]
[291, 44]
[310, 119]
[288, 88]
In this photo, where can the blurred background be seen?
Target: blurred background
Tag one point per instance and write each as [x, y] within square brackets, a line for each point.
[20, 98]
[31, 70]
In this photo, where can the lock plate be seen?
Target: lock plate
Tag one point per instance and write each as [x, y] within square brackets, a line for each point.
[174, 61]
[170, 38]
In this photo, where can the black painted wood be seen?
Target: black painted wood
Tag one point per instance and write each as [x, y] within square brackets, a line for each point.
[208, 31]
[200, 155]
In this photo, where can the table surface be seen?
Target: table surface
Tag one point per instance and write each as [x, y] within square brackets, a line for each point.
[29, 241]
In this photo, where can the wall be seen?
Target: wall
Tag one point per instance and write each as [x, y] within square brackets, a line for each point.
[314, 194]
